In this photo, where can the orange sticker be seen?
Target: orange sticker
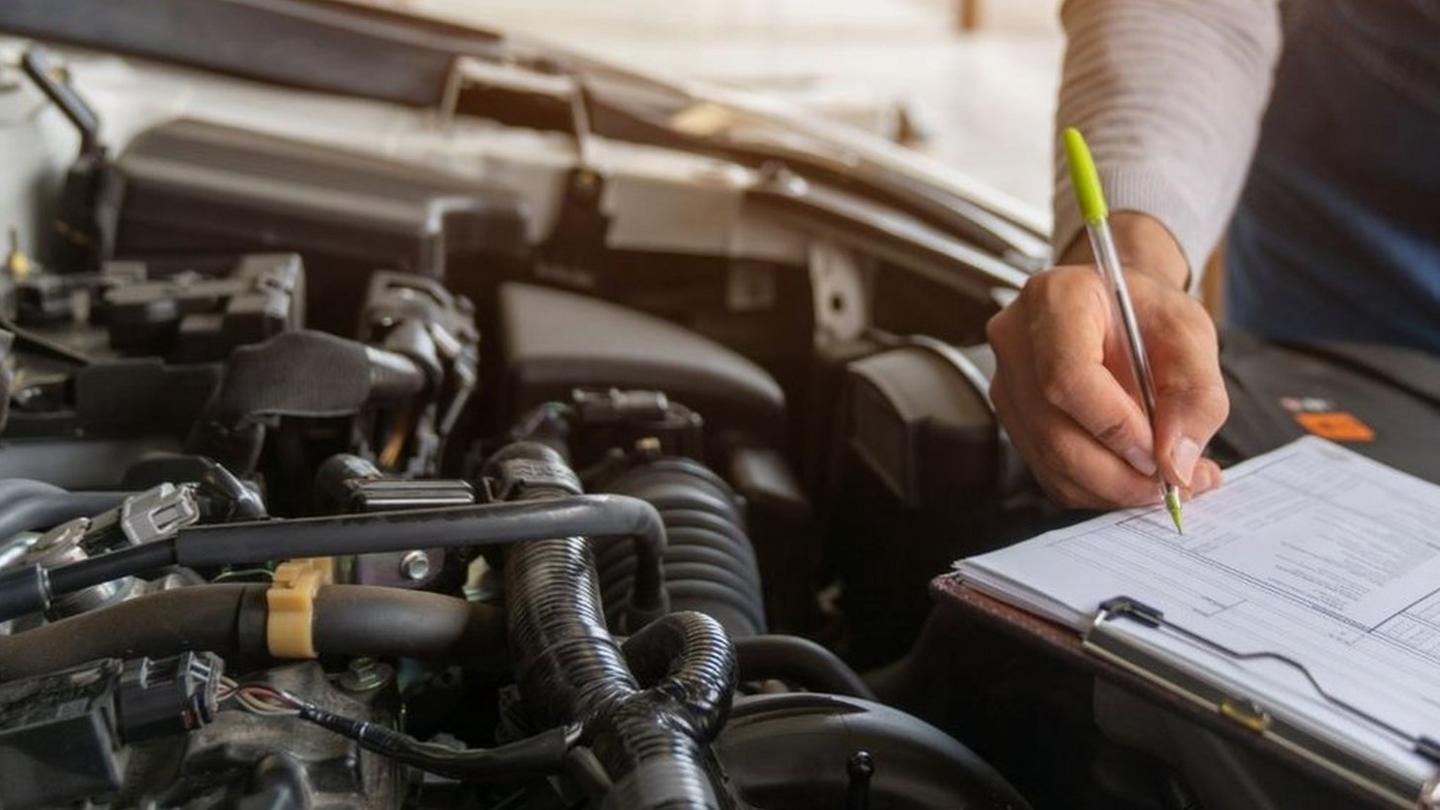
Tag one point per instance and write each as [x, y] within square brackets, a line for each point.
[1337, 426]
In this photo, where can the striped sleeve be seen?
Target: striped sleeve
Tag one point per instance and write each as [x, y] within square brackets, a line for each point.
[1169, 95]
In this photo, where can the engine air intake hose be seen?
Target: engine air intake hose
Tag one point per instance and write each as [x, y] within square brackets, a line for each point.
[709, 561]
[650, 734]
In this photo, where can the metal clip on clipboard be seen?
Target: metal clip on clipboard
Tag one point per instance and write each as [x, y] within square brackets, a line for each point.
[1246, 711]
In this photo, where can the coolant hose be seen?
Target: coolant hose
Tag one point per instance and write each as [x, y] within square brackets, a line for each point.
[395, 622]
[230, 620]
[688, 659]
[489, 524]
[217, 618]
[650, 742]
[566, 663]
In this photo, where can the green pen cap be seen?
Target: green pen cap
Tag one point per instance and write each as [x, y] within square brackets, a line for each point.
[1083, 177]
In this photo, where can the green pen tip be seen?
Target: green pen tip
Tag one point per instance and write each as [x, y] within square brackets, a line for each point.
[1172, 505]
[1084, 179]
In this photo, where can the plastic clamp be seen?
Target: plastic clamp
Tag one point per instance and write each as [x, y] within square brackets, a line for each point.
[289, 626]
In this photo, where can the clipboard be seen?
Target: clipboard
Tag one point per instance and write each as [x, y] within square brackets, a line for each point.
[1239, 718]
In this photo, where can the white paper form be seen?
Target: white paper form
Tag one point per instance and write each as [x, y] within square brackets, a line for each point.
[1311, 551]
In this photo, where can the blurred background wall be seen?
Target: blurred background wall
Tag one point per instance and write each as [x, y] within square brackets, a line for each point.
[971, 82]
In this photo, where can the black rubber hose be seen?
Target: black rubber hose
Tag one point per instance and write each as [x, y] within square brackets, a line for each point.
[47, 511]
[716, 601]
[710, 565]
[625, 561]
[800, 661]
[566, 663]
[230, 619]
[585, 770]
[394, 622]
[27, 505]
[336, 535]
[650, 742]
[457, 526]
[217, 618]
[729, 539]
[13, 489]
[715, 585]
[618, 582]
[570, 670]
[687, 658]
[117, 564]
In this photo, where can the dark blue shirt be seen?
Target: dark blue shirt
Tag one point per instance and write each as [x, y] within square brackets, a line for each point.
[1337, 233]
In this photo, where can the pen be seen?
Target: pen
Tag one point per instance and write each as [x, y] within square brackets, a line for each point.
[1086, 184]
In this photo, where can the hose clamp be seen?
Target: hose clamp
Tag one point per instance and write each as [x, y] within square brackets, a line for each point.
[290, 623]
[519, 474]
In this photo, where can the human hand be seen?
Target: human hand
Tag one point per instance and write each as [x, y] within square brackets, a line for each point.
[1063, 372]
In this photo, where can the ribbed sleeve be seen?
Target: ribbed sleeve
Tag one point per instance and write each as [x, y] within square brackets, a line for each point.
[1169, 95]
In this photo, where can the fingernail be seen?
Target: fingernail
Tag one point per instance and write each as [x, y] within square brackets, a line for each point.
[1142, 461]
[1184, 455]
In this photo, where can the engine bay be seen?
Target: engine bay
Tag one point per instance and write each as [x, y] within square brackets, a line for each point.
[339, 479]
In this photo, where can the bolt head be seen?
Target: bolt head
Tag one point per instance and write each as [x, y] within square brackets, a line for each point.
[415, 566]
[365, 674]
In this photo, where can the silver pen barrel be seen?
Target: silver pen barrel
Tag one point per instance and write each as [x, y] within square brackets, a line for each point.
[1107, 258]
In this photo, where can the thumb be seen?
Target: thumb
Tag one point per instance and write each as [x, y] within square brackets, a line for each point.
[1190, 400]
[1191, 405]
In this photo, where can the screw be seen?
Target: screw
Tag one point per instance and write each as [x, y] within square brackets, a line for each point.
[860, 769]
[365, 674]
[415, 565]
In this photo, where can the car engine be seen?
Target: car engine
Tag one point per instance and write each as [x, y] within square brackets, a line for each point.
[269, 593]
[327, 483]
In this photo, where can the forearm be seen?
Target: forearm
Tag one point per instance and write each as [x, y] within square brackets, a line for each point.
[1169, 94]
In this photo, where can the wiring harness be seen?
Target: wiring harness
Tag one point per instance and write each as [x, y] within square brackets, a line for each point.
[542, 754]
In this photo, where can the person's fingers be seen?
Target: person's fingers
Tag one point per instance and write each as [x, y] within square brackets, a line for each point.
[1083, 435]
[1185, 420]
[1069, 323]
[1207, 476]
[1073, 455]
[1073, 467]
[1191, 403]
[1018, 429]
[1069, 335]
[1091, 397]
[1059, 489]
